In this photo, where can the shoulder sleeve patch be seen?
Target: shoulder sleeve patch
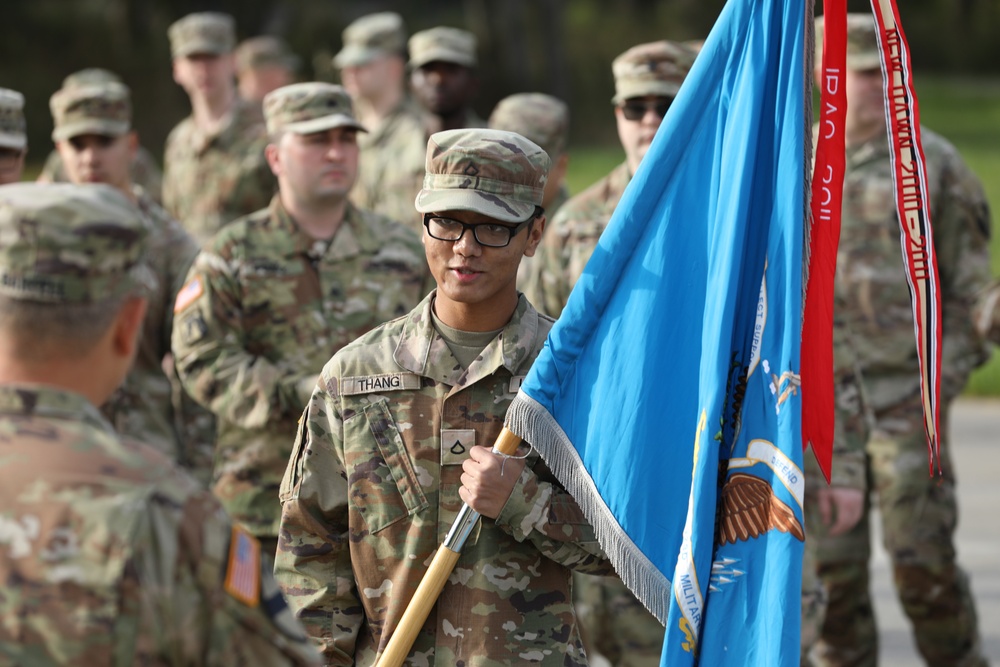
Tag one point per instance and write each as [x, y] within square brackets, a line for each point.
[243, 568]
[374, 384]
[188, 294]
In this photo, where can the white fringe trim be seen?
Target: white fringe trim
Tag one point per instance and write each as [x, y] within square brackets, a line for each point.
[533, 423]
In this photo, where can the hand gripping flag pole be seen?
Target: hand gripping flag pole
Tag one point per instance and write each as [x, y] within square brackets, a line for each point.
[437, 574]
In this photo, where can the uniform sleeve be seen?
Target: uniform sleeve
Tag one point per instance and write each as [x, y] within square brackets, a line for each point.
[179, 251]
[210, 352]
[313, 563]
[546, 515]
[961, 222]
[208, 592]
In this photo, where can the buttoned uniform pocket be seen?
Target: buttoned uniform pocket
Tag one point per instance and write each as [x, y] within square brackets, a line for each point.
[382, 481]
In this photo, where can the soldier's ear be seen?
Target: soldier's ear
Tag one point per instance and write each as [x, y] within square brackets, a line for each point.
[273, 158]
[535, 236]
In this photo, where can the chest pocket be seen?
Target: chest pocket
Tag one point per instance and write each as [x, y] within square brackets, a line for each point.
[383, 483]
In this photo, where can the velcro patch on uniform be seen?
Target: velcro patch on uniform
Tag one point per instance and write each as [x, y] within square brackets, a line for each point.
[243, 569]
[515, 383]
[188, 294]
[455, 444]
[374, 384]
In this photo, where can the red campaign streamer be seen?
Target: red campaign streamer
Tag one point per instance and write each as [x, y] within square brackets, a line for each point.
[909, 175]
[827, 199]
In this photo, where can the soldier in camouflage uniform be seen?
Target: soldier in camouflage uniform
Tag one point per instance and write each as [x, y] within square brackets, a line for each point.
[277, 292]
[373, 68]
[95, 140]
[214, 166]
[919, 513]
[987, 315]
[544, 120]
[647, 77]
[109, 553]
[13, 136]
[397, 433]
[263, 64]
[144, 170]
[443, 77]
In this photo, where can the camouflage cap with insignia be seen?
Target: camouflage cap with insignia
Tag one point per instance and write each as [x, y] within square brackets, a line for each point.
[65, 243]
[100, 108]
[536, 116]
[263, 51]
[13, 130]
[656, 68]
[89, 76]
[862, 42]
[202, 32]
[499, 174]
[304, 108]
[371, 36]
[449, 45]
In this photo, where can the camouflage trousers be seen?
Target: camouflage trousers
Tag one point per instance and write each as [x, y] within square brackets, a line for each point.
[614, 623]
[813, 594]
[919, 516]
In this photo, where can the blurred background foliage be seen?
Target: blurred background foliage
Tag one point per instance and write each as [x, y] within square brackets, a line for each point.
[562, 47]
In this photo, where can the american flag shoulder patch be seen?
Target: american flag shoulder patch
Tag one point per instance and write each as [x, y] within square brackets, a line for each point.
[187, 294]
[243, 569]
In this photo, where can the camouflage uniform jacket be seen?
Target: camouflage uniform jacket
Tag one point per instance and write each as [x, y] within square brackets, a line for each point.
[212, 179]
[571, 238]
[872, 293]
[110, 554]
[391, 168]
[142, 408]
[372, 489]
[144, 172]
[264, 308]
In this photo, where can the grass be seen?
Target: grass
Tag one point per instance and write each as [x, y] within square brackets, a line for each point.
[965, 110]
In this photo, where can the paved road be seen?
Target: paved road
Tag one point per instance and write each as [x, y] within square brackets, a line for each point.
[975, 437]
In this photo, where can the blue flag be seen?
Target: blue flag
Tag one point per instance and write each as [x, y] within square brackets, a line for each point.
[667, 396]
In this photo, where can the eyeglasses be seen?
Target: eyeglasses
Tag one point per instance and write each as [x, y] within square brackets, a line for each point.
[490, 234]
[636, 109]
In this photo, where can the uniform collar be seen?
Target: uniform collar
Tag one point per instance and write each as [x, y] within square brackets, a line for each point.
[354, 237]
[30, 400]
[423, 351]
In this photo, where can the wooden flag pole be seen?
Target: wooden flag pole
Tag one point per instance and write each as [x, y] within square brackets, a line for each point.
[437, 574]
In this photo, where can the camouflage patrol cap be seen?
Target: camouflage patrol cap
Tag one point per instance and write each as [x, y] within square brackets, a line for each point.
[536, 116]
[13, 130]
[499, 174]
[100, 108]
[656, 68]
[263, 51]
[862, 42]
[449, 45]
[371, 36]
[304, 108]
[90, 75]
[202, 32]
[65, 243]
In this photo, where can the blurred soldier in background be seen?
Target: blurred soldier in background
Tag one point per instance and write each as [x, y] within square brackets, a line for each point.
[263, 64]
[96, 143]
[214, 166]
[919, 512]
[275, 293]
[13, 136]
[544, 120]
[110, 554]
[144, 170]
[443, 77]
[372, 67]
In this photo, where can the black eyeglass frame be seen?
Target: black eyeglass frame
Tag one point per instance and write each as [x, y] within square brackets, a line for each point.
[514, 231]
[629, 108]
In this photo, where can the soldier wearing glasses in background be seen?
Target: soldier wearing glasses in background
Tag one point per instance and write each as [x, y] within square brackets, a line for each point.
[13, 136]
[647, 77]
